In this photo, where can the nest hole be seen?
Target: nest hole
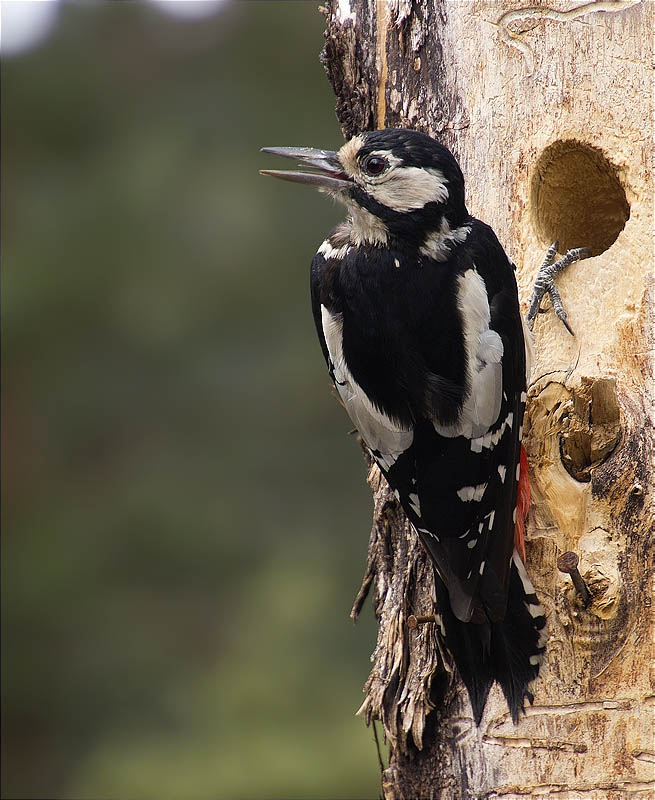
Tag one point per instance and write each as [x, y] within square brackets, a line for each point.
[577, 198]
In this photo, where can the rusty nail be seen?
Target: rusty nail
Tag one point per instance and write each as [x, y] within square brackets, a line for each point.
[413, 622]
[568, 564]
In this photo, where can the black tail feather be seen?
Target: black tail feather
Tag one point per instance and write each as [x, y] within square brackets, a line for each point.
[509, 652]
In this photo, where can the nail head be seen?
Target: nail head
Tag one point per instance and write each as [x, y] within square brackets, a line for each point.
[568, 562]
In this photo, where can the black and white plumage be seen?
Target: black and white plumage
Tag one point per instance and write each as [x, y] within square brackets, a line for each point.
[417, 312]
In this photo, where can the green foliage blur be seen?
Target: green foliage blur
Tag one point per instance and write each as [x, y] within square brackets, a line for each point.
[185, 518]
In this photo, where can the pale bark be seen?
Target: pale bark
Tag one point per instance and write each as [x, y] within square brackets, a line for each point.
[500, 83]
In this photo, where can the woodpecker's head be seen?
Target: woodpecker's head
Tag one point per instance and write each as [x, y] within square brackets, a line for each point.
[394, 182]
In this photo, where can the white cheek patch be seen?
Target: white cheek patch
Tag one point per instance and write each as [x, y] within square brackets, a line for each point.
[408, 188]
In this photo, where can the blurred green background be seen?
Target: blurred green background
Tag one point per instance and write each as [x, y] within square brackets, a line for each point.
[184, 516]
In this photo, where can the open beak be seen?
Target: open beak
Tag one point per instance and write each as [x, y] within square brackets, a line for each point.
[327, 172]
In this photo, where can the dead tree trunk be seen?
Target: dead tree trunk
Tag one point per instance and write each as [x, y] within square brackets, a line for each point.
[548, 109]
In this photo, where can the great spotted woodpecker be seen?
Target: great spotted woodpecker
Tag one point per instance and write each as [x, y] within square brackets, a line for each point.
[417, 312]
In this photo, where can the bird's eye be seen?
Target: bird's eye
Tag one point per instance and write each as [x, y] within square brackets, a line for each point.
[375, 165]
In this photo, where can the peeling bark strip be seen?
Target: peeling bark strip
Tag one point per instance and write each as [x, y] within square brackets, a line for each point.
[502, 85]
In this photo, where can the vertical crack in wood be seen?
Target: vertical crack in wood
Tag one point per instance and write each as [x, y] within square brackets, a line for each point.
[382, 25]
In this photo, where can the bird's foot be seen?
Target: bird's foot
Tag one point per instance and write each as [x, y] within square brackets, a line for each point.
[545, 282]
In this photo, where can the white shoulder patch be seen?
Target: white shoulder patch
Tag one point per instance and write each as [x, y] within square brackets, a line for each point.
[408, 188]
[377, 430]
[484, 352]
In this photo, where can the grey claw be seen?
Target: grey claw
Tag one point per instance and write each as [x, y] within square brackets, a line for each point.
[558, 307]
[545, 282]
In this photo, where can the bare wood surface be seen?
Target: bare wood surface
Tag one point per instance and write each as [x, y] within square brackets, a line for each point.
[500, 83]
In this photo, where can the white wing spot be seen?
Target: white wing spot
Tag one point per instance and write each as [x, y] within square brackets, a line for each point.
[397, 263]
[502, 471]
[415, 504]
[514, 516]
[524, 397]
[492, 516]
[482, 566]
[468, 493]
[534, 660]
[472, 544]
[518, 470]
[490, 440]
[535, 609]
[465, 534]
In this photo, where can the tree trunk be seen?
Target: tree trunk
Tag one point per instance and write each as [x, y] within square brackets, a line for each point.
[548, 109]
